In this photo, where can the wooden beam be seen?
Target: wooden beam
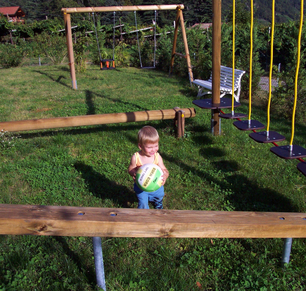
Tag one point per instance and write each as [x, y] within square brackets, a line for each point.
[131, 222]
[67, 20]
[57, 122]
[186, 46]
[216, 65]
[121, 8]
[174, 40]
[180, 18]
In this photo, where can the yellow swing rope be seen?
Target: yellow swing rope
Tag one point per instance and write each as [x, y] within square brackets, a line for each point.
[271, 65]
[297, 71]
[251, 61]
[233, 56]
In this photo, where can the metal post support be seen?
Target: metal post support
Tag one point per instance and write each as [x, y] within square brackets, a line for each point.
[98, 255]
[286, 251]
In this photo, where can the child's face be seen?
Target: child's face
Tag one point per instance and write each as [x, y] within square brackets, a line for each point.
[149, 149]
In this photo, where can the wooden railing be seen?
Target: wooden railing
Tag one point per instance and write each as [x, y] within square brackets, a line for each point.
[97, 119]
[123, 222]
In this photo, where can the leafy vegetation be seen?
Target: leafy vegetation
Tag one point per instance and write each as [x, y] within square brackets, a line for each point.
[87, 166]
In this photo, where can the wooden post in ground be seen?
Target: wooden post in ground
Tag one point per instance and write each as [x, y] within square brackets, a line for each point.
[180, 19]
[67, 19]
[216, 65]
[186, 46]
[174, 41]
[180, 123]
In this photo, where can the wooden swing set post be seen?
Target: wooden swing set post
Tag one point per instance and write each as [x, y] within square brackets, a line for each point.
[180, 18]
[67, 19]
[216, 66]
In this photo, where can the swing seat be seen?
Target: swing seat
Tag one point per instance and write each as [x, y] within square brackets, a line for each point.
[148, 68]
[109, 64]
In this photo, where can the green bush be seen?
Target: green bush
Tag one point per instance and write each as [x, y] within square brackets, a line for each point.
[53, 46]
[10, 55]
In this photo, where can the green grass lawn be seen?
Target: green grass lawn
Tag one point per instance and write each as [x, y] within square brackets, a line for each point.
[87, 166]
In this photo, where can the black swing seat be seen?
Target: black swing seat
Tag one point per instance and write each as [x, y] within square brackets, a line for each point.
[234, 115]
[207, 103]
[284, 152]
[147, 68]
[248, 124]
[302, 168]
[263, 137]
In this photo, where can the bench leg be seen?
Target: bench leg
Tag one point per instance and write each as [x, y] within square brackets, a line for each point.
[202, 93]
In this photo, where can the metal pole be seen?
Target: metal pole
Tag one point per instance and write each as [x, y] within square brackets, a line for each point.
[286, 251]
[100, 275]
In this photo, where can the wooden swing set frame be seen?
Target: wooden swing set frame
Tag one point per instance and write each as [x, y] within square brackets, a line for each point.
[179, 20]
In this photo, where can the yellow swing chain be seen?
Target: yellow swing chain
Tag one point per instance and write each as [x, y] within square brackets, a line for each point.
[251, 60]
[297, 71]
[271, 65]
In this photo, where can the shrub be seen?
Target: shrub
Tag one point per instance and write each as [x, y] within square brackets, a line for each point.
[53, 46]
[10, 55]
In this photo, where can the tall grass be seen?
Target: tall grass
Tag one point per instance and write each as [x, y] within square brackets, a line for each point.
[87, 166]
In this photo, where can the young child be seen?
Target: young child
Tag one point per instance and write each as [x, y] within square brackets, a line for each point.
[148, 139]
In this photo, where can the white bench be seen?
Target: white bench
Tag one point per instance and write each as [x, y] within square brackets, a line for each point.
[226, 81]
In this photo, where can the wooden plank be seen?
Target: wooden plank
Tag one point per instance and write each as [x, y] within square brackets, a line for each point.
[122, 8]
[57, 122]
[122, 222]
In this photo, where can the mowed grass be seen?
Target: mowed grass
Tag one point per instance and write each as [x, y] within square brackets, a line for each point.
[87, 166]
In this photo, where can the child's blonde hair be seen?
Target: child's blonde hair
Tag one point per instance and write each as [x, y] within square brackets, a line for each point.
[147, 134]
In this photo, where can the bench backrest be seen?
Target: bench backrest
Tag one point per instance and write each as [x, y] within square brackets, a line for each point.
[226, 78]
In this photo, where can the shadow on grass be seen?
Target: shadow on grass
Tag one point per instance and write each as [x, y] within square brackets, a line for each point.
[119, 101]
[58, 80]
[246, 194]
[103, 188]
[90, 102]
[89, 272]
[95, 129]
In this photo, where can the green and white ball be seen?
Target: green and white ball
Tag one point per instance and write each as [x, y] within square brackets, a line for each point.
[149, 177]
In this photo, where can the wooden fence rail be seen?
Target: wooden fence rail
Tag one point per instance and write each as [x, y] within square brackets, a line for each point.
[126, 222]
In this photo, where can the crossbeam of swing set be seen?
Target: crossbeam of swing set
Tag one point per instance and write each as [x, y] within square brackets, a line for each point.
[121, 8]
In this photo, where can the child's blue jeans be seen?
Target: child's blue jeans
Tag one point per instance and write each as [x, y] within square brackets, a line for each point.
[156, 198]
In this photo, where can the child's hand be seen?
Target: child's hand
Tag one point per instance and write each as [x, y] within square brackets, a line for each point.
[134, 173]
[165, 176]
